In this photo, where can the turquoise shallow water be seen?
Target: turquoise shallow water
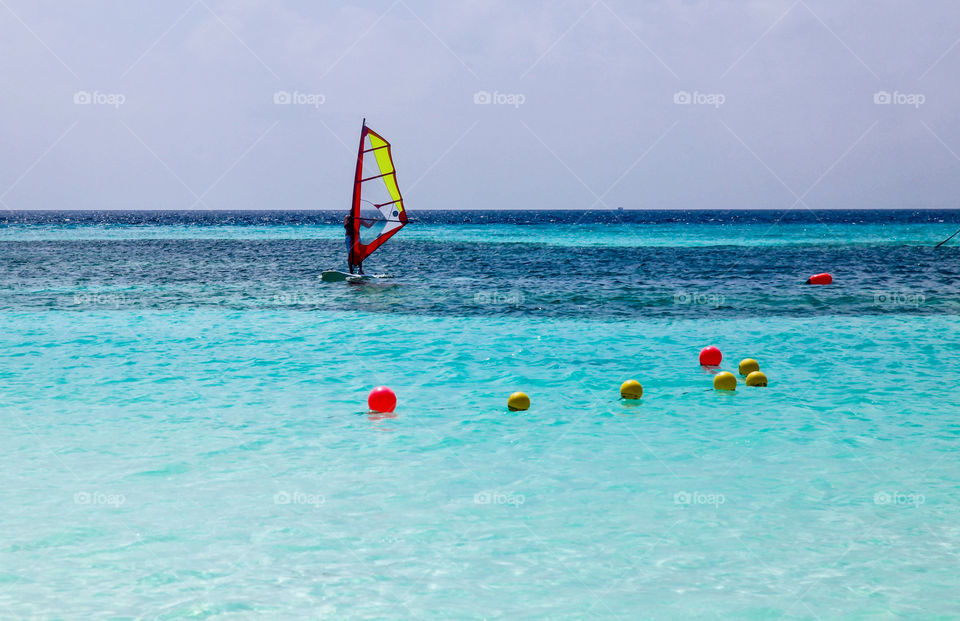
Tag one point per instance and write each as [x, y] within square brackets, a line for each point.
[147, 475]
[763, 234]
[195, 444]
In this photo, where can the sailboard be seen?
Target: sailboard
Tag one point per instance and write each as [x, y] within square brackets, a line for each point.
[338, 276]
[377, 211]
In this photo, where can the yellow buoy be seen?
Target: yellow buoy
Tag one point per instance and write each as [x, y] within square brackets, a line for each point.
[748, 366]
[631, 389]
[518, 401]
[725, 381]
[756, 379]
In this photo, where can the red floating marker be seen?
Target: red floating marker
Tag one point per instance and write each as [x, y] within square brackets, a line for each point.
[710, 356]
[820, 279]
[382, 399]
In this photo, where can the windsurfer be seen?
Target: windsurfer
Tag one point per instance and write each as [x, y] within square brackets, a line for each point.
[381, 220]
[348, 226]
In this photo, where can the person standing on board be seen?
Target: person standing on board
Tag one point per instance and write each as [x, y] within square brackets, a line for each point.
[348, 225]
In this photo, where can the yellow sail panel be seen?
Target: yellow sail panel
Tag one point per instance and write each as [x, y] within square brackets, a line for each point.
[385, 164]
[378, 211]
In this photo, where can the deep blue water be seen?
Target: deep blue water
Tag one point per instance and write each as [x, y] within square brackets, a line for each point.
[601, 264]
[504, 216]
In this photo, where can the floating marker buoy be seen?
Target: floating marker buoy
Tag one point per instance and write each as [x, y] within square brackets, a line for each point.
[725, 381]
[756, 379]
[518, 401]
[748, 366]
[631, 389]
[820, 279]
[382, 399]
[710, 356]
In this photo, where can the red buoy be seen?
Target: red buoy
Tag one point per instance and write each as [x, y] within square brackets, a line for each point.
[710, 356]
[382, 399]
[820, 279]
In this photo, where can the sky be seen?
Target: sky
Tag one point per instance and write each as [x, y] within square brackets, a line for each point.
[497, 104]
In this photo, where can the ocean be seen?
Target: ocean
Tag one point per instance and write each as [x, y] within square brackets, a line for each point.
[185, 431]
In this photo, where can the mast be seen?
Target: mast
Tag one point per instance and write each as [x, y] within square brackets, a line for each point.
[355, 206]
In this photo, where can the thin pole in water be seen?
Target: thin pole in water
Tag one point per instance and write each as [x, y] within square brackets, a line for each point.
[947, 239]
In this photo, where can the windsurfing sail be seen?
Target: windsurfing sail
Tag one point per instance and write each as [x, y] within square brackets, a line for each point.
[377, 211]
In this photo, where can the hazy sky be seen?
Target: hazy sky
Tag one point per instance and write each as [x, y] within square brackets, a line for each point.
[585, 103]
